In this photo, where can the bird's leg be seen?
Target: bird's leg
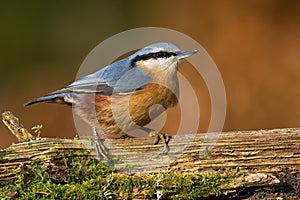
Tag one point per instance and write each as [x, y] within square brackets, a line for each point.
[164, 137]
[101, 150]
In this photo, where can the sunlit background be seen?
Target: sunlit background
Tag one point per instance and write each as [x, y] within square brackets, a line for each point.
[255, 44]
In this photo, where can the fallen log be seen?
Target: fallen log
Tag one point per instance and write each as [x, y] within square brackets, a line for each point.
[253, 156]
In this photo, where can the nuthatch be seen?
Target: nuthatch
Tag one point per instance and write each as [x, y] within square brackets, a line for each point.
[123, 95]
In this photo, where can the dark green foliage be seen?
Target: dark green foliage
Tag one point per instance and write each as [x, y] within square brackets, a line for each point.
[86, 178]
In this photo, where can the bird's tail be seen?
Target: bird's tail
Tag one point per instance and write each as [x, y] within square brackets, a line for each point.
[53, 98]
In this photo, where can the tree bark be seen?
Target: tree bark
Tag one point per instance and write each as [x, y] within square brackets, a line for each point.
[259, 154]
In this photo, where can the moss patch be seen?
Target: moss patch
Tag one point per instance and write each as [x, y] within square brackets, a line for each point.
[83, 177]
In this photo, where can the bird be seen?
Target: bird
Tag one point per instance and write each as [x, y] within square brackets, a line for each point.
[126, 94]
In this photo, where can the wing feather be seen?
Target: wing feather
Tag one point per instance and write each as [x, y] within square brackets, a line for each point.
[118, 78]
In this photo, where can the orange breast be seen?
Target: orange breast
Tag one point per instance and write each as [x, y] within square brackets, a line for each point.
[121, 113]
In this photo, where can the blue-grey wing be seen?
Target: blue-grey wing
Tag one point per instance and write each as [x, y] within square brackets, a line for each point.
[118, 77]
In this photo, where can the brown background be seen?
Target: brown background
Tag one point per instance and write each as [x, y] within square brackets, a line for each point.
[255, 44]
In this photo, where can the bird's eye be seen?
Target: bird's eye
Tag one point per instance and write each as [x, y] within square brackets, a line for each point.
[155, 55]
[162, 54]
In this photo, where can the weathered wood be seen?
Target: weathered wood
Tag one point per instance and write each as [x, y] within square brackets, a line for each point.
[257, 153]
[265, 150]
[16, 128]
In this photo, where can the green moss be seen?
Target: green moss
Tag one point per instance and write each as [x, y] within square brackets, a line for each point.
[83, 177]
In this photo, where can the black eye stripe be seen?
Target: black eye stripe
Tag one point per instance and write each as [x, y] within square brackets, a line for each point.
[160, 54]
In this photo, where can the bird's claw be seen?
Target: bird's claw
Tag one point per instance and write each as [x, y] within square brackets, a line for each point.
[101, 150]
[165, 138]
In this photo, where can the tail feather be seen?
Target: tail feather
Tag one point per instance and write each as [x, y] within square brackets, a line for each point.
[55, 98]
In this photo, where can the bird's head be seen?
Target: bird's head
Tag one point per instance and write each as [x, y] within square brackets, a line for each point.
[159, 57]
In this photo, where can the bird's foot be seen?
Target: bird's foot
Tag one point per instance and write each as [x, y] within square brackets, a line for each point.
[101, 150]
[164, 137]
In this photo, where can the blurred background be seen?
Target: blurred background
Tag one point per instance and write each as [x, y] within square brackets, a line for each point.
[255, 44]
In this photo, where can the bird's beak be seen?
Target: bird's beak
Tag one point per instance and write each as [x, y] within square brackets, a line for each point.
[185, 54]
